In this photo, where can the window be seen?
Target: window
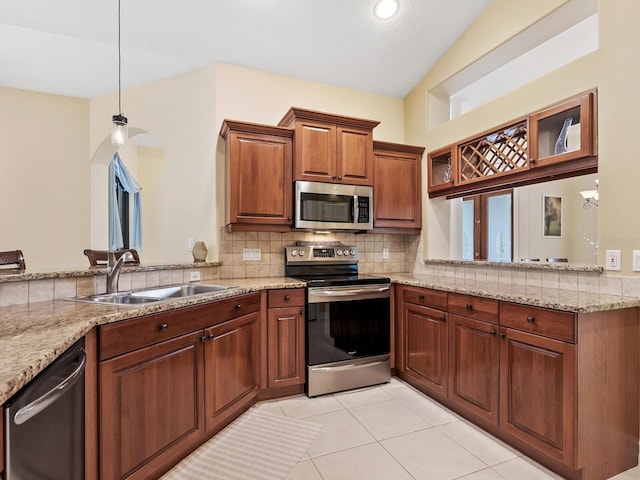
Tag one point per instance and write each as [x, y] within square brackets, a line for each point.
[487, 227]
[123, 211]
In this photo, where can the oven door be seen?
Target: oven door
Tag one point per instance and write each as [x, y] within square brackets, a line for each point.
[347, 322]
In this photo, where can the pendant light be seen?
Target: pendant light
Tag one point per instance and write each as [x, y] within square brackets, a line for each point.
[385, 9]
[119, 129]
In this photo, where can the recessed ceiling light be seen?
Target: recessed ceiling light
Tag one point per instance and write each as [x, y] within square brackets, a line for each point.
[386, 8]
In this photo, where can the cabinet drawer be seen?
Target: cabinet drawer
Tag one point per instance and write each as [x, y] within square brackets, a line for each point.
[550, 323]
[127, 335]
[286, 297]
[474, 307]
[425, 297]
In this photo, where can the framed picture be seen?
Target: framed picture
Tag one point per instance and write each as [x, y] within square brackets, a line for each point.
[551, 216]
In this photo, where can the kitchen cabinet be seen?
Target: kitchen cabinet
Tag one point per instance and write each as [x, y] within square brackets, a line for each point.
[426, 350]
[331, 148]
[258, 176]
[170, 380]
[561, 387]
[231, 368]
[2, 444]
[563, 132]
[286, 340]
[556, 142]
[397, 186]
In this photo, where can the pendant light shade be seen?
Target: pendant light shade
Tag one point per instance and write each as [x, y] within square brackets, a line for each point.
[385, 9]
[119, 128]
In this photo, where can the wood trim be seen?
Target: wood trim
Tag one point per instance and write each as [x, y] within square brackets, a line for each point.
[397, 147]
[247, 127]
[91, 408]
[296, 113]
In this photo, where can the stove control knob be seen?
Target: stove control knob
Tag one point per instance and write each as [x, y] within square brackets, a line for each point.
[339, 253]
[294, 253]
[301, 253]
[351, 252]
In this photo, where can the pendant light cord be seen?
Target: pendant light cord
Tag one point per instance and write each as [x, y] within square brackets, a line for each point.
[119, 65]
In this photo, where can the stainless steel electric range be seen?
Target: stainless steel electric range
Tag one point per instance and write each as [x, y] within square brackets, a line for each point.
[348, 318]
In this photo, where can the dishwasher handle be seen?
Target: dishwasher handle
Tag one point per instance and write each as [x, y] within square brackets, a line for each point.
[32, 409]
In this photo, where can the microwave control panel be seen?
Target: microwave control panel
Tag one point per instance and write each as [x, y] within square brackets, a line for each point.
[363, 209]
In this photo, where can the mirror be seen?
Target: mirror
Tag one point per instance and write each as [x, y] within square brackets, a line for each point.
[550, 220]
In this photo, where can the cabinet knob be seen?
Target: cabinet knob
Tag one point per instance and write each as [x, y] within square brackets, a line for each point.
[421, 297]
[287, 298]
[340, 178]
[203, 338]
[469, 306]
[164, 326]
[238, 306]
[211, 336]
[289, 218]
[493, 332]
[301, 311]
[443, 319]
[502, 335]
[531, 319]
[532, 160]
[335, 177]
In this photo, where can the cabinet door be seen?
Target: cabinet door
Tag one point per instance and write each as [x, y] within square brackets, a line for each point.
[231, 358]
[260, 179]
[149, 408]
[315, 152]
[285, 334]
[474, 367]
[426, 346]
[397, 201]
[563, 132]
[538, 397]
[354, 156]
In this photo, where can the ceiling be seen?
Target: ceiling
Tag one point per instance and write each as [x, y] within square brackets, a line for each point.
[69, 47]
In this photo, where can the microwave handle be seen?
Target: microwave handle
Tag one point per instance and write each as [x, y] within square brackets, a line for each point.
[356, 209]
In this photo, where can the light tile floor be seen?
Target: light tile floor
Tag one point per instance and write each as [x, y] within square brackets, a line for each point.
[394, 432]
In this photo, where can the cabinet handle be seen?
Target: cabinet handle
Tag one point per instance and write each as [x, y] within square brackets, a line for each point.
[493, 332]
[164, 326]
[502, 335]
[287, 298]
[421, 297]
[531, 320]
[203, 338]
[238, 306]
[211, 336]
[469, 306]
[443, 319]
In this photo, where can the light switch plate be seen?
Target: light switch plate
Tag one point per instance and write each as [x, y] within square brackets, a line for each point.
[612, 259]
[636, 260]
[194, 276]
[385, 253]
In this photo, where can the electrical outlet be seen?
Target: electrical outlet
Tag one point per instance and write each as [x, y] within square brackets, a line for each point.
[190, 243]
[385, 253]
[612, 259]
[636, 260]
[251, 254]
[194, 276]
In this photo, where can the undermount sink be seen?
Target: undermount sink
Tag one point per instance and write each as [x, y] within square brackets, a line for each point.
[152, 295]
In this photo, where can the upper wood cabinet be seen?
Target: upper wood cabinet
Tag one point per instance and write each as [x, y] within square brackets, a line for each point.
[563, 132]
[397, 188]
[331, 148]
[258, 176]
[559, 141]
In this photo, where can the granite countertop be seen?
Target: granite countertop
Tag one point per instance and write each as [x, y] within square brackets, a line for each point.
[35, 334]
[555, 298]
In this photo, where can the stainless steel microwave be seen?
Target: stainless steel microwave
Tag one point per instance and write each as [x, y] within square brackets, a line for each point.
[329, 206]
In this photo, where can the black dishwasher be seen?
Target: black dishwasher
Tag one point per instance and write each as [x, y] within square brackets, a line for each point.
[44, 422]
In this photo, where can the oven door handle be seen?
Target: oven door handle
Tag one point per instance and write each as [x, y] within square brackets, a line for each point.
[34, 408]
[349, 292]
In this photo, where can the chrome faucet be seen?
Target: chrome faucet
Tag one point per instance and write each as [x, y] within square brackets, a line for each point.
[113, 270]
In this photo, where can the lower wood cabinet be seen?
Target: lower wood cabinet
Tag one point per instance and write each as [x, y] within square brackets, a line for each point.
[160, 397]
[285, 332]
[560, 386]
[538, 392]
[474, 356]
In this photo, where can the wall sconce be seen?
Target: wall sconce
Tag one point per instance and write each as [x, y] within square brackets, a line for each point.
[590, 197]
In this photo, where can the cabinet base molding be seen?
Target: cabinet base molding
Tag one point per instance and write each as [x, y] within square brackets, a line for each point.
[271, 393]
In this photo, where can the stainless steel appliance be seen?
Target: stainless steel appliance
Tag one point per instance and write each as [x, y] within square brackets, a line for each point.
[348, 318]
[328, 206]
[44, 423]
